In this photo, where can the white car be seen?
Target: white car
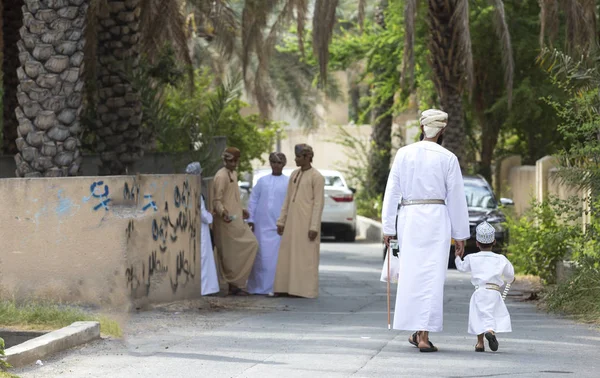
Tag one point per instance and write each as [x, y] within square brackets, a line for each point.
[339, 213]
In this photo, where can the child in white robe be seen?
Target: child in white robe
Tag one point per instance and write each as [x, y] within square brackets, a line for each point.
[209, 280]
[488, 314]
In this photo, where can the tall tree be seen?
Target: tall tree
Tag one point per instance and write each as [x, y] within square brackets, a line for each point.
[452, 61]
[380, 153]
[51, 87]
[119, 109]
[12, 21]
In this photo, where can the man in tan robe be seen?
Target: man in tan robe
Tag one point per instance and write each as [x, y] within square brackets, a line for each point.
[300, 225]
[236, 244]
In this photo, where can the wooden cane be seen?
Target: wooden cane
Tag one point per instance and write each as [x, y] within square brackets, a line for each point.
[388, 285]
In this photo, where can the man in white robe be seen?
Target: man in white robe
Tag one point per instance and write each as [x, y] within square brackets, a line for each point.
[264, 207]
[209, 280]
[488, 314]
[433, 210]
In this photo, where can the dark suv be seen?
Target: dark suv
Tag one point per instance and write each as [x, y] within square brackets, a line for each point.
[483, 206]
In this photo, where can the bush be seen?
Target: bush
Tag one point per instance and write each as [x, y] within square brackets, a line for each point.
[543, 236]
[3, 364]
[579, 295]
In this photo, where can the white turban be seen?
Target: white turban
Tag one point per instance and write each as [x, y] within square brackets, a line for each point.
[433, 121]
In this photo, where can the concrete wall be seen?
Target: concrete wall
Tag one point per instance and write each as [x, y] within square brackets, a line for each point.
[526, 183]
[101, 240]
[521, 187]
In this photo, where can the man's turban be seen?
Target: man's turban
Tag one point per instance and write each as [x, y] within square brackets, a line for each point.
[278, 157]
[304, 150]
[231, 153]
[433, 121]
[193, 168]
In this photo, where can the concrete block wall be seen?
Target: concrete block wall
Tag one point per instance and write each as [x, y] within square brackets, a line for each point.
[102, 240]
[524, 183]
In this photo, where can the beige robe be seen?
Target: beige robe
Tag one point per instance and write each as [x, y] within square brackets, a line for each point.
[236, 244]
[298, 262]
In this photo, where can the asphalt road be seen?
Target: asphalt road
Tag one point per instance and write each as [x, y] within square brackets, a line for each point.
[342, 333]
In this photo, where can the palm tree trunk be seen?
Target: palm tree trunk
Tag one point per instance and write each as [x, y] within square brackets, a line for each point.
[380, 154]
[12, 21]
[449, 56]
[51, 87]
[119, 106]
[454, 135]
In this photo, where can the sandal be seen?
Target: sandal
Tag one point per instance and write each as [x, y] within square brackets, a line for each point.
[479, 349]
[432, 348]
[413, 339]
[238, 292]
[492, 341]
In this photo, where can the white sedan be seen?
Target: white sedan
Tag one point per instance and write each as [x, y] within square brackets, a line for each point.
[339, 213]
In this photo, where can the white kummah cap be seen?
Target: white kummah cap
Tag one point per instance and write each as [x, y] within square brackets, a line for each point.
[433, 121]
[194, 168]
[485, 233]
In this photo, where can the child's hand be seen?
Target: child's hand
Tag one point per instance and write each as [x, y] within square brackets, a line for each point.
[457, 253]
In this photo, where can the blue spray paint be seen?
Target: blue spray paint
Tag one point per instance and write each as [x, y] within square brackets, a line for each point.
[98, 194]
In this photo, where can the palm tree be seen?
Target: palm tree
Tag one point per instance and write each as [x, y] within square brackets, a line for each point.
[580, 24]
[11, 24]
[50, 93]
[380, 153]
[451, 59]
[124, 32]
[119, 110]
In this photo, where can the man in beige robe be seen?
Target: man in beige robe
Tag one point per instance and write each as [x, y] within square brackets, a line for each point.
[236, 244]
[300, 225]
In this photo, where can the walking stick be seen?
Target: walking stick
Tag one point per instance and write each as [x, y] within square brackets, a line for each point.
[388, 285]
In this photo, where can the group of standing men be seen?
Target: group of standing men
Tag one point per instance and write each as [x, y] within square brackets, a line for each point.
[273, 247]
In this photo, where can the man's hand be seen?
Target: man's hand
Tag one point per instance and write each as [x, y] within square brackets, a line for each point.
[225, 216]
[386, 240]
[280, 230]
[245, 214]
[459, 248]
[251, 225]
[312, 235]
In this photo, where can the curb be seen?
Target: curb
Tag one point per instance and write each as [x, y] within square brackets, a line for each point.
[369, 230]
[53, 342]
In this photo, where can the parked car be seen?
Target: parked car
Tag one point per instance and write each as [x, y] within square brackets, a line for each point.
[483, 206]
[339, 212]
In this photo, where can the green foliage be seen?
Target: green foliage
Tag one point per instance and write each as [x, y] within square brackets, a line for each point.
[357, 151]
[187, 121]
[543, 236]
[44, 315]
[580, 127]
[528, 127]
[579, 295]
[191, 121]
[3, 364]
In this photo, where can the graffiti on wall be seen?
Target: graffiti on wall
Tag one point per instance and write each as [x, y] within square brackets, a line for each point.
[172, 239]
[100, 192]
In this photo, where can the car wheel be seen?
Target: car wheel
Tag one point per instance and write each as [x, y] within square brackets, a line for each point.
[346, 236]
[350, 236]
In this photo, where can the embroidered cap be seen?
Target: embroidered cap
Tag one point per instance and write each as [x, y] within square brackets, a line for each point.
[485, 233]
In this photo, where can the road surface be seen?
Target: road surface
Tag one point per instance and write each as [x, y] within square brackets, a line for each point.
[343, 333]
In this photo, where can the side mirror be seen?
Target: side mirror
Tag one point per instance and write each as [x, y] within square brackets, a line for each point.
[353, 190]
[507, 202]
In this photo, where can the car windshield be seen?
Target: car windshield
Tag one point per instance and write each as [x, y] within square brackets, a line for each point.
[479, 196]
[335, 181]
